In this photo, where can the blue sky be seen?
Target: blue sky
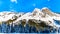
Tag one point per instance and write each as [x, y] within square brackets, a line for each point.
[29, 5]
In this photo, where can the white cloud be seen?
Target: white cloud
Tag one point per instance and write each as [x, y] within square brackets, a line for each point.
[14, 1]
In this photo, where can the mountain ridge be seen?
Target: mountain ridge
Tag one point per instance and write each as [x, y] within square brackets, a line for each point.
[36, 17]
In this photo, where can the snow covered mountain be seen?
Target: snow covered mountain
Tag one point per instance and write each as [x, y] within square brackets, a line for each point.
[39, 18]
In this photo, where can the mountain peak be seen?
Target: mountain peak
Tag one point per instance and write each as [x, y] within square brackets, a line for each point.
[44, 8]
[36, 10]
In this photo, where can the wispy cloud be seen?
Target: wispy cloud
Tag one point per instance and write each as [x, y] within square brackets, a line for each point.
[14, 1]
